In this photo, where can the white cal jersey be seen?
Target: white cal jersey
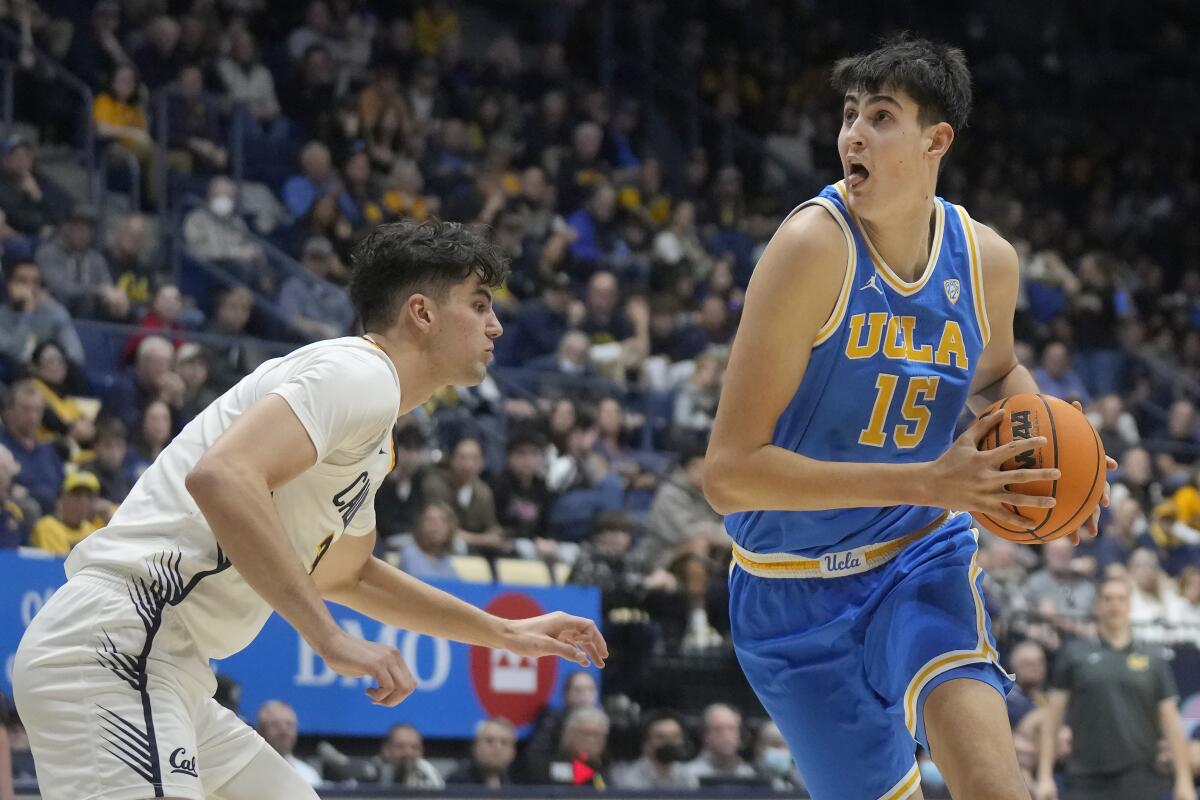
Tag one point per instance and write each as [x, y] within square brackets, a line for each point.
[346, 394]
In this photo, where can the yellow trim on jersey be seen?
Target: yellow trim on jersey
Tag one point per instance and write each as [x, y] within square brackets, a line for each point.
[905, 786]
[843, 300]
[893, 280]
[977, 294]
[983, 652]
[786, 565]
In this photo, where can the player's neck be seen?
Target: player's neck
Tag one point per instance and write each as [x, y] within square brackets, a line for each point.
[417, 381]
[903, 238]
[1117, 637]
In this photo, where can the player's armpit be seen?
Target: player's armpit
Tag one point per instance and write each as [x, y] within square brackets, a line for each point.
[267, 440]
[341, 569]
[998, 373]
[792, 293]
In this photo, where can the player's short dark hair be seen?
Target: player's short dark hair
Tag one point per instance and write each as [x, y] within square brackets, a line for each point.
[933, 74]
[400, 259]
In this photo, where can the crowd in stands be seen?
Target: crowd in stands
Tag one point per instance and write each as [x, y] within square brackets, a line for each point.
[631, 241]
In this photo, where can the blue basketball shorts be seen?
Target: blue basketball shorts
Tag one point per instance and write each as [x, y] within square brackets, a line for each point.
[844, 665]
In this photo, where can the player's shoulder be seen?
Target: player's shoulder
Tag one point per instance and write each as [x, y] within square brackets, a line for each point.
[808, 247]
[996, 253]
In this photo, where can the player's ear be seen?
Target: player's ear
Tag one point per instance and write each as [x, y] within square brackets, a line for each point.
[419, 311]
[941, 136]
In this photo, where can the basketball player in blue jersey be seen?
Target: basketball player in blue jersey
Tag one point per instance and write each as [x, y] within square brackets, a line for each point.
[877, 312]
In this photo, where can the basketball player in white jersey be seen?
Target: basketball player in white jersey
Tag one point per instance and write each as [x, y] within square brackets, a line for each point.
[265, 501]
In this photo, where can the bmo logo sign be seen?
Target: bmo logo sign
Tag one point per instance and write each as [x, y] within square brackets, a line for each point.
[507, 685]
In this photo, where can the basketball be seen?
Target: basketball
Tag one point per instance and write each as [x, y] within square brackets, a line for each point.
[1072, 445]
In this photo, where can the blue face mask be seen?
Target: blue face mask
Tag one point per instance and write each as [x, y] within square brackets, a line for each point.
[776, 760]
[931, 775]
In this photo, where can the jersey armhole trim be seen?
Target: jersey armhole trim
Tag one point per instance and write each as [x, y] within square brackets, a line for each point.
[978, 298]
[843, 299]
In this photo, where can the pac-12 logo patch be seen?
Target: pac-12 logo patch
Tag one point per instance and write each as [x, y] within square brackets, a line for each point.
[953, 289]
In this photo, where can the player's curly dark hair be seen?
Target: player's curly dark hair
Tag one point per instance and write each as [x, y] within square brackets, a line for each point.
[399, 259]
[933, 74]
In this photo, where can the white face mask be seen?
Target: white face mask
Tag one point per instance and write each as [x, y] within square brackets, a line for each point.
[221, 205]
[776, 760]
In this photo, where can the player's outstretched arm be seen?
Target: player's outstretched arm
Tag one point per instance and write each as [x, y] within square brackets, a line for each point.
[790, 297]
[351, 576]
[1056, 710]
[266, 447]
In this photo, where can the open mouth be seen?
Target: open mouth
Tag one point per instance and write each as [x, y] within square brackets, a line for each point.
[857, 175]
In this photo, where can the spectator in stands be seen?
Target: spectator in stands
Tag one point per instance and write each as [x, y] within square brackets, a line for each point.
[664, 749]
[31, 316]
[401, 498]
[159, 58]
[402, 760]
[521, 495]
[583, 172]
[773, 761]
[310, 98]
[234, 357]
[427, 556]
[607, 323]
[246, 80]
[569, 370]
[1152, 603]
[492, 754]
[1028, 661]
[1135, 478]
[318, 28]
[121, 119]
[316, 307]
[681, 520]
[541, 323]
[109, 464]
[1185, 614]
[1119, 698]
[461, 486]
[96, 49]
[605, 561]
[14, 529]
[75, 271]
[722, 739]
[316, 179]
[162, 316]
[194, 365]
[31, 202]
[696, 403]
[76, 516]
[596, 239]
[1061, 592]
[680, 242]
[1117, 428]
[1055, 376]
[359, 201]
[1182, 446]
[384, 114]
[583, 482]
[149, 438]
[1095, 322]
[194, 126]
[579, 691]
[132, 266]
[579, 759]
[64, 418]
[150, 378]
[276, 723]
[215, 233]
[41, 467]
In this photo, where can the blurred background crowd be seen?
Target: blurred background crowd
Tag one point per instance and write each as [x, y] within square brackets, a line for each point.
[181, 183]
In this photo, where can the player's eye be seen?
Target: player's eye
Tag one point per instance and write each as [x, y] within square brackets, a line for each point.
[880, 116]
[848, 115]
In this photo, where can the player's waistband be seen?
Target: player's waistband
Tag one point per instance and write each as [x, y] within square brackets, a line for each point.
[831, 565]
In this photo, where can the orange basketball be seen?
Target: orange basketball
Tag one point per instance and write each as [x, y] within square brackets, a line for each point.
[1072, 445]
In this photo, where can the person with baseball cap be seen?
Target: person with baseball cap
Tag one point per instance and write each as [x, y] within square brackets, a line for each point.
[77, 516]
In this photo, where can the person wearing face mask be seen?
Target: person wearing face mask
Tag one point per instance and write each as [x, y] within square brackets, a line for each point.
[773, 760]
[215, 233]
[664, 751]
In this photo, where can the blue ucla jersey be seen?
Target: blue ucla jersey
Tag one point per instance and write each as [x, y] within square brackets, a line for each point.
[889, 374]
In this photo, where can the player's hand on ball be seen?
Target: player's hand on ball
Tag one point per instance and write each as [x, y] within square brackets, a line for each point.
[966, 478]
[557, 634]
[348, 655]
[1093, 523]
